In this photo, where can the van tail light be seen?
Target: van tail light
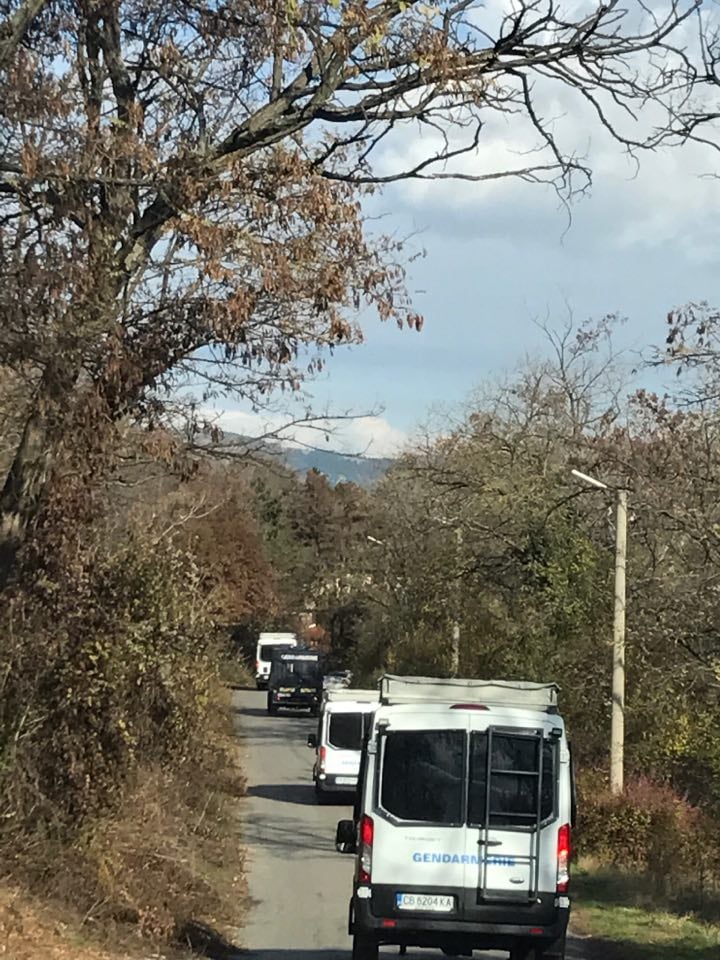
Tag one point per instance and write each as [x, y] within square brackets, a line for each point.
[257, 665]
[564, 851]
[322, 757]
[367, 831]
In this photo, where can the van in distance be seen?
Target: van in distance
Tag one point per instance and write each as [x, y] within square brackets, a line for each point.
[462, 822]
[343, 726]
[295, 680]
[267, 644]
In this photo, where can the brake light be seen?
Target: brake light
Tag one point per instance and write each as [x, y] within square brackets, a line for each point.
[322, 756]
[367, 831]
[564, 851]
[468, 706]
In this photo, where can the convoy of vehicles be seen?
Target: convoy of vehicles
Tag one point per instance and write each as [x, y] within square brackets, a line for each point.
[295, 680]
[267, 646]
[463, 807]
[343, 725]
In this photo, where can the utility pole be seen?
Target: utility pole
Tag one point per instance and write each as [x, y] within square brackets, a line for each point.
[617, 718]
[617, 727]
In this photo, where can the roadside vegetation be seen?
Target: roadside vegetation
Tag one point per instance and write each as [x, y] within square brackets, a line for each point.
[626, 918]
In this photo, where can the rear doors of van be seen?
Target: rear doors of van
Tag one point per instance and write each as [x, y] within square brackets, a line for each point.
[344, 727]
[469, 812]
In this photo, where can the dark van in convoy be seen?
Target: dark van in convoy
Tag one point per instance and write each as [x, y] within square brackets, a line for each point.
[296, 680]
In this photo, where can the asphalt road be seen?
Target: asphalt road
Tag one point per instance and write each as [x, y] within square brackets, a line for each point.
[299, 885]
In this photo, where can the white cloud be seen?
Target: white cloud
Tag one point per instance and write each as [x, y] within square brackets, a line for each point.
[370, 436]
[670, 200]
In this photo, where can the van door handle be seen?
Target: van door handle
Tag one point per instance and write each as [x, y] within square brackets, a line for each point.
[490, 843]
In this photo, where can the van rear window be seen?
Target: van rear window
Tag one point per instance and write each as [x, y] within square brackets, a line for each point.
[345, 731]
[514, 769]
[422, 775]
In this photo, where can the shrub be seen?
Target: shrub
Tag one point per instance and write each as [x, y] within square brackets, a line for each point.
[648, 828]
[101, 669]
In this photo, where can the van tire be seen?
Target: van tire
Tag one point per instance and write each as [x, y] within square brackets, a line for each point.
[364, 948]
[272, 709]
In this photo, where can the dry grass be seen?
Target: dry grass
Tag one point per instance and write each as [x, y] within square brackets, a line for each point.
[35, 930]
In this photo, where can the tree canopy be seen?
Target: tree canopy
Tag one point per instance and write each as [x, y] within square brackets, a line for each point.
[182, 184]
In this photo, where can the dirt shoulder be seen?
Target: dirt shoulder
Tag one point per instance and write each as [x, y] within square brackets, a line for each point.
[36, 930]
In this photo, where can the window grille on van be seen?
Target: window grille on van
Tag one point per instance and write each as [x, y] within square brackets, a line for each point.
[504, 791]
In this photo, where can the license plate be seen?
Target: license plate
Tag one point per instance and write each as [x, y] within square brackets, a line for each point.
[346, 781]
[424, 901]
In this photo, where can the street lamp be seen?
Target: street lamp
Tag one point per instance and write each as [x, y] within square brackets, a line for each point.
[617, 726]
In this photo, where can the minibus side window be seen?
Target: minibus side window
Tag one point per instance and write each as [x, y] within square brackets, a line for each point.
[423, 775]
[513, 788]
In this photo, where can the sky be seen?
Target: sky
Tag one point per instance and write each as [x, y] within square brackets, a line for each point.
[499, 256]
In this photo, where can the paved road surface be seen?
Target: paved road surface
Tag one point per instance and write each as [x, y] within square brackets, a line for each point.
[299, 885]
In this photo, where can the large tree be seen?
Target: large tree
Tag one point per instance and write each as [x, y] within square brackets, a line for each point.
[181, 183]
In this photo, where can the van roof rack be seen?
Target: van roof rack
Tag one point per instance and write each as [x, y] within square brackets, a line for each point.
[509, 693]
[349, 694]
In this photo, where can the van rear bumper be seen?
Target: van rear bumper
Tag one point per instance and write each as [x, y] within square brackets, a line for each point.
[493, 931]
[296, 701]
[329, 784]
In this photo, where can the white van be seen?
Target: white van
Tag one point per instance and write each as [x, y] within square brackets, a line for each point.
[267, 642]
[343, 726]
[462, 824]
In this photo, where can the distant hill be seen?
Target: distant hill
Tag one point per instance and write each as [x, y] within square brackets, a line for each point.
[338, 468]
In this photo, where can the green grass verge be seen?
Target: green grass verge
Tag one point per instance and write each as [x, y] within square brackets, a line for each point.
[626, 930]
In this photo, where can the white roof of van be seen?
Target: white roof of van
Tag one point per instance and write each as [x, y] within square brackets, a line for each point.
[345, 694]
[510, 693]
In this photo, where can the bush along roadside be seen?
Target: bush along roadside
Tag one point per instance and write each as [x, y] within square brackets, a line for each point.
[117, 770]
[647, 880]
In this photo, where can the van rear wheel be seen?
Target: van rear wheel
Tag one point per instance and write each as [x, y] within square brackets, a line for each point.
[364, 948]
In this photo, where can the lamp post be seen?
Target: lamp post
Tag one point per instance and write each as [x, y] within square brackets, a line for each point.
[617, 725]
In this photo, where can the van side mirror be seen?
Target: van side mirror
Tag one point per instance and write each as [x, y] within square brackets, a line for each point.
[312, 741]
[345, 837]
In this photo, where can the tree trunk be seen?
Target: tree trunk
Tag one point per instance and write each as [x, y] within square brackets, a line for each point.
[27, 479]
